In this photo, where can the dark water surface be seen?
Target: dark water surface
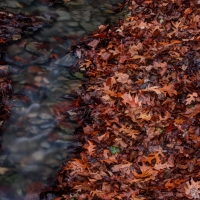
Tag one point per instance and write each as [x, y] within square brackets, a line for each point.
[34, 145]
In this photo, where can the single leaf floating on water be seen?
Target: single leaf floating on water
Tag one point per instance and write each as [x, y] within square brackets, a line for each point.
[114, 150]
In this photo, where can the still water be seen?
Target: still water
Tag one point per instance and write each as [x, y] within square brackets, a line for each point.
[35, 143]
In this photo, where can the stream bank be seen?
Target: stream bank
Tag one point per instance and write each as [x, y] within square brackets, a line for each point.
[140, 108]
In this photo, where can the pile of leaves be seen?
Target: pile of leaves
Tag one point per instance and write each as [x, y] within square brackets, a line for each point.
[140, 108]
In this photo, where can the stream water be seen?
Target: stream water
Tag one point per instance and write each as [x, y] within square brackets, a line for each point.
[34, 146]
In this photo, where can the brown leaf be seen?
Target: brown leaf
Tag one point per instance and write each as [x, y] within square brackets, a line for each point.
[90, 147]
[117, 168]
[123, 78]
[191, 98]
[93, 43]
[192, 189]
[193, 111]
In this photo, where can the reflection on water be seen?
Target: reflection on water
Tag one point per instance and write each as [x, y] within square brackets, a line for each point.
[35, 144]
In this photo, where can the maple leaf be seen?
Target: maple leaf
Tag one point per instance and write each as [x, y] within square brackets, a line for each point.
[192, 189]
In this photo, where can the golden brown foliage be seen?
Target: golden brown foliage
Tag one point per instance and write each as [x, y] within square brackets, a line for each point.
[141, 108]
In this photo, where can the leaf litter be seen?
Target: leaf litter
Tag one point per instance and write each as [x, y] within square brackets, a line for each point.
[139, 108]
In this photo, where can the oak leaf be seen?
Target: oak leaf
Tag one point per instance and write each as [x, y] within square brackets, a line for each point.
[193, 111]
[87, 63]
[192, 189]
[166, 89]
[119, 167]
[90, 147]
[119, 141]
[93, 43]
[108, 91]
[169, 184]
[191, 97]
[128, 99]
[142, 58]
[152, 156]
[145, 116]
[147, 173]
[129, 131]
[123, 78]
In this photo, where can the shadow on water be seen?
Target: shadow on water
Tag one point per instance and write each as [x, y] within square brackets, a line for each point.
[35, 144]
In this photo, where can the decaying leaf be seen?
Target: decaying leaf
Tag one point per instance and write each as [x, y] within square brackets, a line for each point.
[192, 189]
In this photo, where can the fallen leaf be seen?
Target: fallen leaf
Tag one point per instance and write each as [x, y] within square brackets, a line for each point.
[192, 188]
[191, 98]
[90, 147]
